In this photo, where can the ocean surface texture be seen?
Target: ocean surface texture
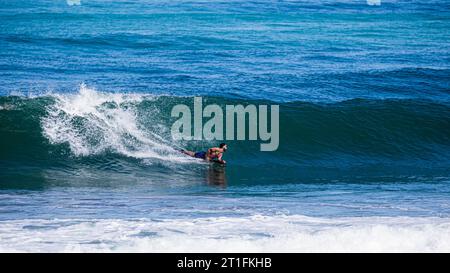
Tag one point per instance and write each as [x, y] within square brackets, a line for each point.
[87, 161]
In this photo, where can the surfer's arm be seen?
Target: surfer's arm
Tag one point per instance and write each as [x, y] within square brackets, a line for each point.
[221, 161]
[208, 153]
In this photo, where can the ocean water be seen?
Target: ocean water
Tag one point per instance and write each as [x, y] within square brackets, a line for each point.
[87, 161]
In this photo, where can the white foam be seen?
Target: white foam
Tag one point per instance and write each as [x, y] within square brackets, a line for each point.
[229, 234]
[73, 2]
[374, 2]
[92, 122]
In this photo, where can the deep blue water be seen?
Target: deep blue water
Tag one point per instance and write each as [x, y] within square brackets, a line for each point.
[85, 98]
[277, 50]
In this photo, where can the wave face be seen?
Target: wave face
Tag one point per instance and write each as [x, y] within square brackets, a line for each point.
[370, 139]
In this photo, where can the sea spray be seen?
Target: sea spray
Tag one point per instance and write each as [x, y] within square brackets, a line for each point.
[93, 122]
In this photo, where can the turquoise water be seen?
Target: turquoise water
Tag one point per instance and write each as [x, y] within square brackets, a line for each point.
[86, 155]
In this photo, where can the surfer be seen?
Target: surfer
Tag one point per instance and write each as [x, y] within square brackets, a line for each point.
[213, 154]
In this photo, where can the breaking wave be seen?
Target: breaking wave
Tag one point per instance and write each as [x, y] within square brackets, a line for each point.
[257, 233]
[325, 141]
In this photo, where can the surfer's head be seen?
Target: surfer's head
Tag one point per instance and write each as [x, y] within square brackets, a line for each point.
[223, 146]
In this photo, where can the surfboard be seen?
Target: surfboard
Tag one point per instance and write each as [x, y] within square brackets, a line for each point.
[218, 162]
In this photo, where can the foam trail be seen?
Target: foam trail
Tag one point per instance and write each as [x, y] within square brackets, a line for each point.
[256, 233]
[92, 122]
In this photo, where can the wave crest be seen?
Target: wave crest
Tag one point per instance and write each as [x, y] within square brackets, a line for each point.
[92, 122]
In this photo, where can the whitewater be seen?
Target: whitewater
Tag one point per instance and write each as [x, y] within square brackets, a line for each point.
[226, 234]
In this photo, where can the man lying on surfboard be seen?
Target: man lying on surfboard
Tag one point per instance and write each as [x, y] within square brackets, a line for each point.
[213, 154]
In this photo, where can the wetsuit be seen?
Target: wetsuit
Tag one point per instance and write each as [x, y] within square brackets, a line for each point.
[201, 155]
